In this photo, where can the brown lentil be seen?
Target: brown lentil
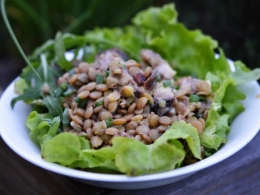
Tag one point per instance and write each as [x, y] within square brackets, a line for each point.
[121, 129]
[162, 128]
[114, 96]
[128, 117]
[111, 131]
[138, 137]
[153, 134]
[131, 125]
[146, 138]
[119, 121]
[142, 129]
[141, 102]
[112, 106]
[202, 122]
[165, 120]
[134, 70]
[106, 93]
[122, 111]
[112, 82]
[76, 126]
[149, 98]
[131, 108]
[137, 118]
[79, 111]
[145, 122]
[203, 87]
[138, 111]
[116, 116]
[92, 72]
[61, 80]
[98, 109]
[104, 115]
[105, 138]
[83, 78]
[83, 67]
[77, 119]
[131, 63]
[73, 79]
[102, 87]
[87, 124]
[96, 141]
[95, 95]
[198, 125]
[83, 94]
[131, 132]
[89, 112]
[99, 131]
[154, 120]
[90, 86]
[148, 72]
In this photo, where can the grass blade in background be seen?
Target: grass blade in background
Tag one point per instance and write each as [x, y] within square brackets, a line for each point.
[14, 38]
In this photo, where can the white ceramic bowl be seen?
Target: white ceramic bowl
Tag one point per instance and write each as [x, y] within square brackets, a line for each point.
[15, 134]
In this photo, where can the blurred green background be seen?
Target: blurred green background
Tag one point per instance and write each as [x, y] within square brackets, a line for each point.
[232, 23]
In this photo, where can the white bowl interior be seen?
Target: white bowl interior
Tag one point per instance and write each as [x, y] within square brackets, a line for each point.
[15, 134]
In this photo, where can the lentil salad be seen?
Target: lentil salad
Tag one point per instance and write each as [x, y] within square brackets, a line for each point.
[130, 104]
[122, 104]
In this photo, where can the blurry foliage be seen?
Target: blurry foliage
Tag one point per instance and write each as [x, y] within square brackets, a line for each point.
[35, 21]
[232, 23]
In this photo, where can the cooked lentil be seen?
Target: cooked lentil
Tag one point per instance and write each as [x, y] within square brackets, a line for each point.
[131, 101]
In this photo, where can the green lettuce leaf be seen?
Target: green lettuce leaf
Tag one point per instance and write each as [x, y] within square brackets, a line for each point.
[42, 127]
[34, 119]
[20, 85]
[53, 105]
[63, 149]
[128, 39]
[224, 108]
[193, 138]
[243, 75]
[191, 52]
[135, 158]
[126, 155]
[29, 95]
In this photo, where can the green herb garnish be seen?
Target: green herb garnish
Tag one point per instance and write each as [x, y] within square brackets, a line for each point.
[194, 98]
[107, 73]
[64, 86]
[99, 79]
[175, 87]
[167, 83]
[68, 93]
[109, 122]
[81, 102]
[99, 103]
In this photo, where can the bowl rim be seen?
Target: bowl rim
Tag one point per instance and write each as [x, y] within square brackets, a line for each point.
[123, 178]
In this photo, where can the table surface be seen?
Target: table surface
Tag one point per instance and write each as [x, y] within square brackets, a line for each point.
[239, 174]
